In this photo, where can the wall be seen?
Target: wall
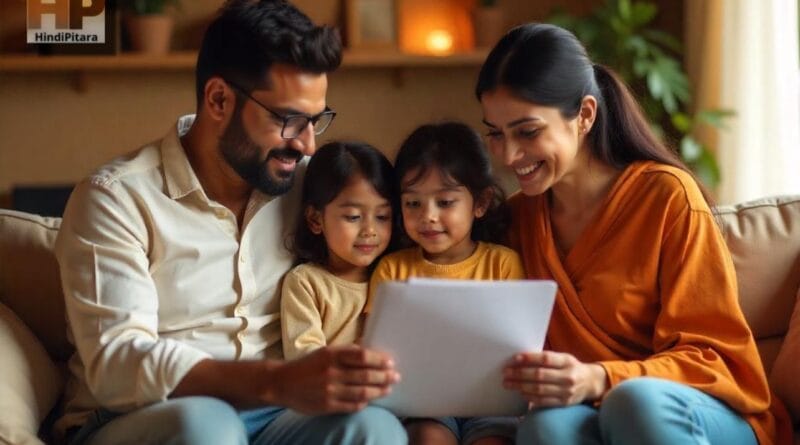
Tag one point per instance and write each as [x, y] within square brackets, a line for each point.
[50, 133]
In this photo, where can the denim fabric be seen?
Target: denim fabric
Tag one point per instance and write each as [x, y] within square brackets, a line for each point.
[469, 429]
[205, 420]
[640, 411]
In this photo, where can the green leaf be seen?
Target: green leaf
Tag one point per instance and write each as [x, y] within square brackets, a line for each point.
[715, 117]
[667, 83]
[624, 8]
[619, 26]
[638, 46]
[643, 13]
[641, 67]
[681, 121]
[655, 83]
[561, 18]
[663, 39]
[671, 70]
[691, 150]
[707, 169]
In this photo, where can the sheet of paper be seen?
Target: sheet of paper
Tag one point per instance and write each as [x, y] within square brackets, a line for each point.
[451, 338]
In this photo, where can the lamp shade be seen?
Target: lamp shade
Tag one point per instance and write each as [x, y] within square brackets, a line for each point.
[435, 27]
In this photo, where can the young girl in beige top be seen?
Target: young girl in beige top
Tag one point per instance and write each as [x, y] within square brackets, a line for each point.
[346, 224]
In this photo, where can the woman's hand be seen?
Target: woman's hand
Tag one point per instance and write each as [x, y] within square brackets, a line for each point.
[550, 378]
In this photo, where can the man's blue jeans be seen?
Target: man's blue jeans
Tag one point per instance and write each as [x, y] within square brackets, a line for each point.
[206, 420]
[641, 411]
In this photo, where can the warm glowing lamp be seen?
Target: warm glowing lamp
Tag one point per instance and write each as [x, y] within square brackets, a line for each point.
[439, 42]
[435, 27]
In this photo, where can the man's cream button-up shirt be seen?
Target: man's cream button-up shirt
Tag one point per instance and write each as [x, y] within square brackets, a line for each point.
[157, 277]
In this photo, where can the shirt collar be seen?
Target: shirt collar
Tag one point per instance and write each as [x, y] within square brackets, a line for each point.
[181, 179]
[178, 173]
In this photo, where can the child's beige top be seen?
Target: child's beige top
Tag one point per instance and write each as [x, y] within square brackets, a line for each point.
[318, 309]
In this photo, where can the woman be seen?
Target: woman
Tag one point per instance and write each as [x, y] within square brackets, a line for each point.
[647, 343]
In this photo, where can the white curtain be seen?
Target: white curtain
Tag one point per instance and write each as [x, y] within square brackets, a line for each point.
[759, 152]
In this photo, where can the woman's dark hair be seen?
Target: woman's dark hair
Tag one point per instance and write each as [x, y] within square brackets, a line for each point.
[248, 36]
[330, 170]
[548, 66]
[458, 152]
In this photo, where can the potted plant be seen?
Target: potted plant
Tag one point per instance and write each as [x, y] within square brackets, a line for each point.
[148, 24]
[489, 23]
[619, 34]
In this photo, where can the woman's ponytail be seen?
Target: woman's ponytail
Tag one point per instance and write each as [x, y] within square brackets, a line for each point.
[622, 134]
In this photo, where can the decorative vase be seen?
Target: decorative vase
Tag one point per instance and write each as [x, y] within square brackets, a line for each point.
[489, 26]
[150, 34]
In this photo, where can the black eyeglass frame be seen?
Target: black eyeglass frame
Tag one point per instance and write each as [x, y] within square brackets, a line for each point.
[285, 118]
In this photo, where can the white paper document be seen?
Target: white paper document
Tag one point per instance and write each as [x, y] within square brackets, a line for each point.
[451, 338]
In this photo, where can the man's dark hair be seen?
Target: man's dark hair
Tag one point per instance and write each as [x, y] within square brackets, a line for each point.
[248, 36]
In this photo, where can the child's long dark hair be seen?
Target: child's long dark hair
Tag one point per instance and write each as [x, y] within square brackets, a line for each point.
[331, 168]
[458, 151]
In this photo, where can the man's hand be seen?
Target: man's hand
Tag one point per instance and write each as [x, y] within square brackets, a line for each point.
[334, 380]
[554, 379]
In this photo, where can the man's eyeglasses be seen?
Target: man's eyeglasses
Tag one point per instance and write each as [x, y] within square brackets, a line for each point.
[294, 124]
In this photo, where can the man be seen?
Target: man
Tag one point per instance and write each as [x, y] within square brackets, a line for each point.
[171, 259]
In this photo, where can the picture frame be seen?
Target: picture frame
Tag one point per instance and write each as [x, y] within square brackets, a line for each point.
[371, 23]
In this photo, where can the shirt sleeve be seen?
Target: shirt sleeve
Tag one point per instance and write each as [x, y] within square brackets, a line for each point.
[301, 320]
[111, 300]
[700, 337]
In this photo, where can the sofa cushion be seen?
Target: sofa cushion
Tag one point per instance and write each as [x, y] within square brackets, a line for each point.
[764, 239]
[30, 385]
[785, 372]
[29, 278]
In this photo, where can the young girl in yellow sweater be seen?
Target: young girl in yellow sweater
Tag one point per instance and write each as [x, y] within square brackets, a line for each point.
[454, 211]
[345, 225]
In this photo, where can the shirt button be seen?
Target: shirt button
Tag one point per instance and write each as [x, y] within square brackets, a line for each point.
[239, 311]
[221, 213]
[241, 258]
[240, 336]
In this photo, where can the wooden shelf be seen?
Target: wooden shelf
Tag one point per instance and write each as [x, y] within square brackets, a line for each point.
[28, 63]
[396, 59]
[185, 60]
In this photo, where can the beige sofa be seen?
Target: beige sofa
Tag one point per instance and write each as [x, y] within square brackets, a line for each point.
[764, 238]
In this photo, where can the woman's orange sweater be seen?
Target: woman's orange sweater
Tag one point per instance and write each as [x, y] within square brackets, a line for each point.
[649, 289]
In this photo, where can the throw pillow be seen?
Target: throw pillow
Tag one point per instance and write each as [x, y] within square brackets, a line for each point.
[786, 369]
[30, 385]
[29, 278]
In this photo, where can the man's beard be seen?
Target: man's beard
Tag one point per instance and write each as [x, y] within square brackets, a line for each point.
[242, 154]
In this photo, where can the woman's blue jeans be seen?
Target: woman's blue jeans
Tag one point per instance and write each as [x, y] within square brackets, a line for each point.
[641, 411]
